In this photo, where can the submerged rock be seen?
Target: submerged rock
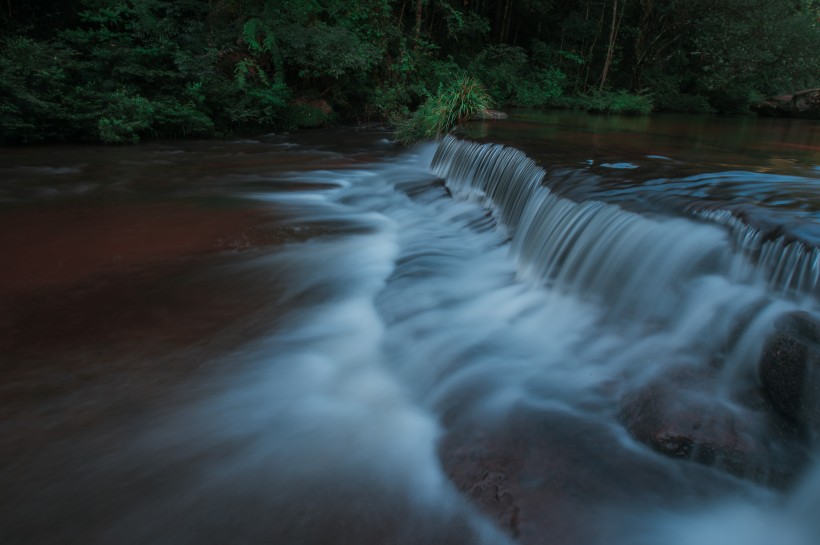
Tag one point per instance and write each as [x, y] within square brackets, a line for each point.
[554, 477]
[680, 415]
[789, 371]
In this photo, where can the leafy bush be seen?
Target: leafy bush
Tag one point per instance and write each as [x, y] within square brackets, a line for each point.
[617, 102]
[125, 119]
[33, 88]
[543, 87]
[452, 105]
[513, 78]
[119, 70]
[307, 113]
[390, 102]
[261, 101]
[501, 67]
[733, 70]
[180, 119]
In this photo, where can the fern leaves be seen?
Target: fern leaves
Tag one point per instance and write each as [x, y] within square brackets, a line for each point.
[261, 41]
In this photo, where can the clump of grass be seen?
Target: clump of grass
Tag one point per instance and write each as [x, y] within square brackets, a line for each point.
[618, 102]
[439, 114]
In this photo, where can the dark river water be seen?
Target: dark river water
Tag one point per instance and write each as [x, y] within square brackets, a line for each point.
[543, 330]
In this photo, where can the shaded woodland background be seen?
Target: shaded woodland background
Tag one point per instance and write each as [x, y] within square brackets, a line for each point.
[123, 70]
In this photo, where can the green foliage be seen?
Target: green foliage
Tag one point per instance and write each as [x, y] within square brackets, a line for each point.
[307, 114]
[514, 79]
[261, 101]
[542, 88]
[125, 119]
[460, 23]
[301, 42]
[753, 47]
[127, 71]
[260, 40]
[391, 102]
[327, 51]
[180, 119]
[122, 70]
[617, 102]
[32, 85]
[452, 105]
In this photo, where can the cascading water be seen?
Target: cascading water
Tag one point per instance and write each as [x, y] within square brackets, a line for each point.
[790, 267]
[657, 271]
[667, 292]
[479, 361]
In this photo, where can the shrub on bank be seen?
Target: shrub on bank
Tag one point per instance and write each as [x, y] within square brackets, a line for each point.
[617, 102]
[439, 114]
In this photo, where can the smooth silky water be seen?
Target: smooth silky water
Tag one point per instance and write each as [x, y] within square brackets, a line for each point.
[327, 338]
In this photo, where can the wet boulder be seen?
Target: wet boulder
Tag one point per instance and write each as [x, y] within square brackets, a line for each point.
[774, 106]
[789, 371]
[548, 476]
[681, 416]
[806, 104]
[803, 104]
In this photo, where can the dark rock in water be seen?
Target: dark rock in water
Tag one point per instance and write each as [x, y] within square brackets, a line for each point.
[679, 415]
[551, 476]
[774, 106]
[806, 104]
[803, 104]
[790, 371]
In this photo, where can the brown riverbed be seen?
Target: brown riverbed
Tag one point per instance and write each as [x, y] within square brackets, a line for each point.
[120, 288]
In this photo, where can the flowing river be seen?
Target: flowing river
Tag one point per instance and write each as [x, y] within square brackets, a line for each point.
[546, 330]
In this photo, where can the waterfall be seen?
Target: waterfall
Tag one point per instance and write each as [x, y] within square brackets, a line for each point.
[369, 355]
[788, 266]
[705, 291]
[638, 264]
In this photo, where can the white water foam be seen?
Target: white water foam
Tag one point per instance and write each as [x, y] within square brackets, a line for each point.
[426, 308]
[661, 292]
[316, 430]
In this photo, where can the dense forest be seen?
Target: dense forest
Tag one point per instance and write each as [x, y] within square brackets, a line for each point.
[122, 70]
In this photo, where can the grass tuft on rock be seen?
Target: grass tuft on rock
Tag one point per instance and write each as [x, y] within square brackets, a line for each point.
[454, 104]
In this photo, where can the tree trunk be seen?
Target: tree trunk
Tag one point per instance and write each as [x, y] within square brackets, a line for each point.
[591, 52]
[419, 4]
[503, 20]
[641, 42]
[613, 36]
[401, 16]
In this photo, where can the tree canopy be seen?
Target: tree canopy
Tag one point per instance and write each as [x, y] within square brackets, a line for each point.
[122, 70]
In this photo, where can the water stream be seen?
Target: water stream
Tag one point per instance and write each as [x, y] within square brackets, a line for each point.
[327, 338]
